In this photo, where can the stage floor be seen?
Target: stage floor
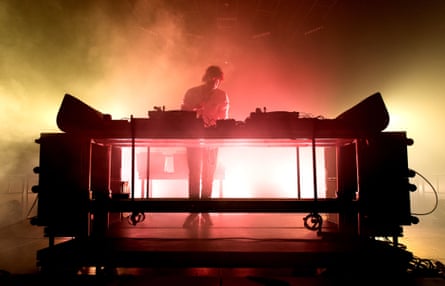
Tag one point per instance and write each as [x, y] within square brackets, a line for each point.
[237, 249]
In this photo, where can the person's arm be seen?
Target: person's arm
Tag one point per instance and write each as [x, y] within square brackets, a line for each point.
[187, 103]
[225, 108]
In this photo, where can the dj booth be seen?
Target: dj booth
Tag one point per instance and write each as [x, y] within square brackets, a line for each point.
[81, 191]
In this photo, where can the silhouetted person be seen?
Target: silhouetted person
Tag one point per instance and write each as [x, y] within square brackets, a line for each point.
[210, 104]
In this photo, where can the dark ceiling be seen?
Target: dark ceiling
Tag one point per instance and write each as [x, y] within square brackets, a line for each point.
[277, 19]
[291, 23]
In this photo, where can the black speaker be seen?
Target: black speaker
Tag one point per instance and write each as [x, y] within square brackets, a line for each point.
[384, 184]
[368, 116]
[76, 116]
[63, 189]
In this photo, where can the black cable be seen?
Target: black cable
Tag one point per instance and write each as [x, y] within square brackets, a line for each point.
[32, 207]
[435, 195]
[426, 267]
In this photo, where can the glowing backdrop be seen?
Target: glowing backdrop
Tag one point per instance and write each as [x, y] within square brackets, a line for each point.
[124, 57]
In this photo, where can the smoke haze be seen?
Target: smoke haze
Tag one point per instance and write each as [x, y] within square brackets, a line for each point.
[124, 57]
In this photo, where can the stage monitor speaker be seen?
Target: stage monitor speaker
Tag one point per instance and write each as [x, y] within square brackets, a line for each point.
[76, 116]
[368, 116]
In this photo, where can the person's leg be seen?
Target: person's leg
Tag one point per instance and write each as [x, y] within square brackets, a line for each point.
[191, 220]
[194, 156]
[208, 171]
[209, 161]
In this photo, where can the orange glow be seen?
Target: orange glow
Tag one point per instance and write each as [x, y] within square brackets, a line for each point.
[124, 57]
[249, 172]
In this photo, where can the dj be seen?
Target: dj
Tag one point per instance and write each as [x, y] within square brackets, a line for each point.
[210, 104]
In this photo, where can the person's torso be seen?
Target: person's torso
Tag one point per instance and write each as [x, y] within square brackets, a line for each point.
[210, 104]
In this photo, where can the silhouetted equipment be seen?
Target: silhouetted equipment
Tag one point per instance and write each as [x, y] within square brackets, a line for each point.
[384, 182]
[74, 116]
[368, 116]
[63, 189]
[80, 183]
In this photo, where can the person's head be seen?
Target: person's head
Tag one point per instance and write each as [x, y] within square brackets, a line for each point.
[213, 75]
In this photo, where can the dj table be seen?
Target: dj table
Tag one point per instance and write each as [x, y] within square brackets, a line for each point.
[80, 186]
